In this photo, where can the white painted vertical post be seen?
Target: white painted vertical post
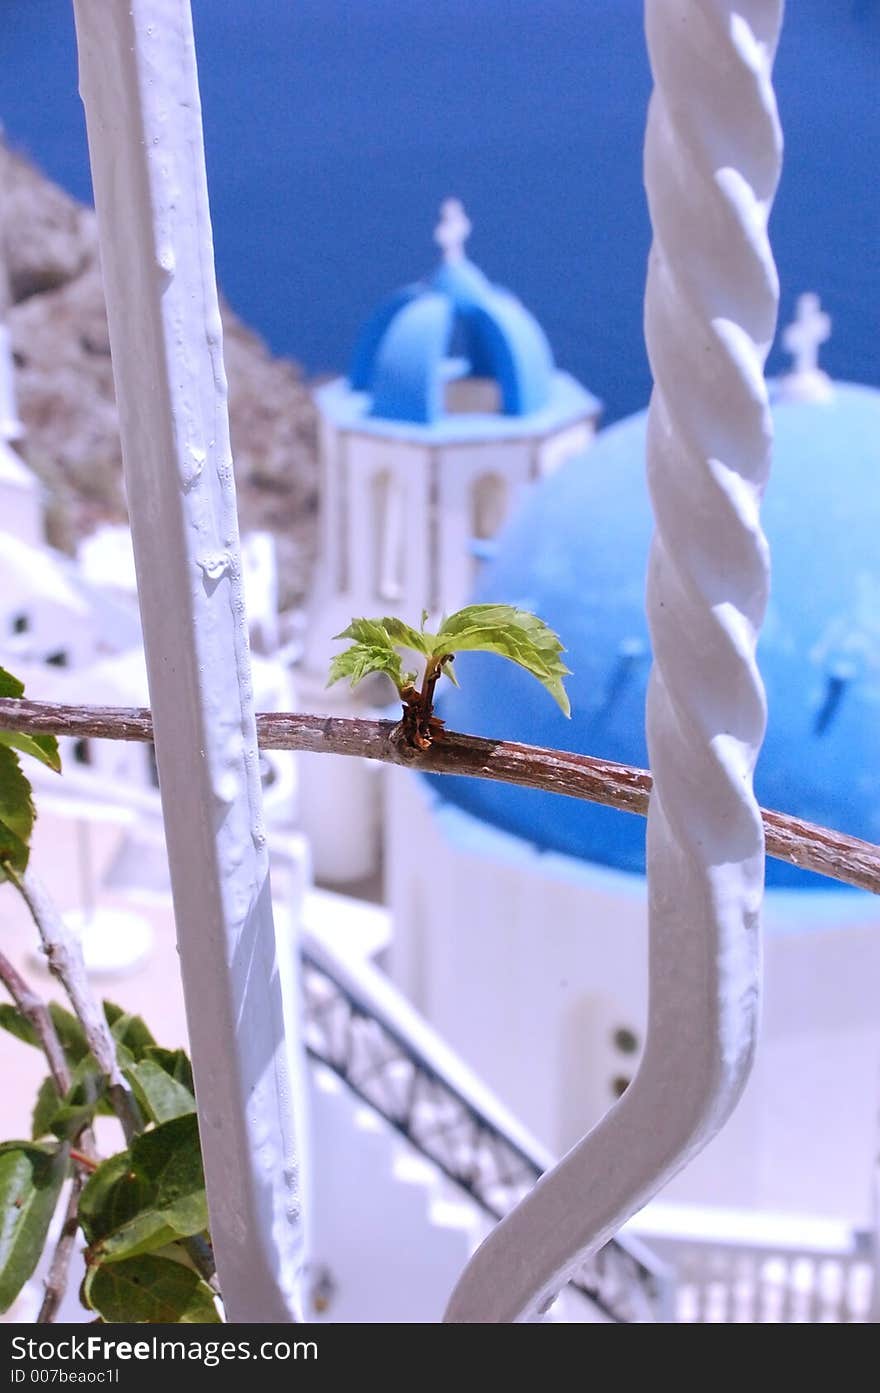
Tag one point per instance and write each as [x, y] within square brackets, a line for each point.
[712, 160]
[139, 86]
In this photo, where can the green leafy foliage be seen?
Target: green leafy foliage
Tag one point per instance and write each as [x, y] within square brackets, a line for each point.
[16, 813]
[16, 805]
[47, 1104]
[358, 661]
[175, 1063]
[160, 1079]
[41, 747]
[144, 1211]
[17, 1025]
[139, 1208]
[70, 1033]
[160, 1096]
[67, 1116]
[64, 1117]
[78, 1107]
[511, 633]
[148, 1196]
[31, 1177]
[131, 1033]
[515, 634]
[149, 1289]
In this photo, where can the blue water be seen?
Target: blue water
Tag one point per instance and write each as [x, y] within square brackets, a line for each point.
[334, 128]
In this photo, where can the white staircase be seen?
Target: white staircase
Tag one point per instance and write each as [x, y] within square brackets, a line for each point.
[388, 1238]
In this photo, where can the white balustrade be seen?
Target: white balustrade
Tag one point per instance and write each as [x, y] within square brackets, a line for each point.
[139, 87]
[754, 1268]
[712, 162]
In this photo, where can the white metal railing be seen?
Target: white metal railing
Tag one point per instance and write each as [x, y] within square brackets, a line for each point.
[749, 1267]
[712, 158]
[357, 1023]
[140, 91]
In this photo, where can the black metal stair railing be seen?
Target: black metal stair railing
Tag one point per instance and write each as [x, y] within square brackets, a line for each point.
[392, 1075]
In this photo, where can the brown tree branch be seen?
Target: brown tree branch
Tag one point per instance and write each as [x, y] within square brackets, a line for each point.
[65, 961]
[35, 1010]
[791, 839]
[56, 1278]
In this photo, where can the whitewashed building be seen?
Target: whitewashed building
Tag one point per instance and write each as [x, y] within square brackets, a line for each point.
[452, 409]
[532, 958]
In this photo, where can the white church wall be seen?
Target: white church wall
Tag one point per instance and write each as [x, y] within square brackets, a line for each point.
[388, 508]
[486, 945]
[375, 528]
[468, 511]
[489, 943]
[803, 1137]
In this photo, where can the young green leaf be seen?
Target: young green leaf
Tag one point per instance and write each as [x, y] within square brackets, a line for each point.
[47, 1104]
[70, 1033]
[18, 1025]
[174, 1062]
[68, 1029]
[160, 1096]
[403, 635]
[31, 1177]
[131, 1033]
[146, 1197]
[10, 686]
[149, 1290]
[16, 812]
[358, 661]
[512, 633]
[448, 669]
[41, 747]
[112, 1197]
[78, 1107]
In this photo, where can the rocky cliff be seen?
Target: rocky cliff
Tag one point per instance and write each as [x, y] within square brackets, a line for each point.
[65, 386]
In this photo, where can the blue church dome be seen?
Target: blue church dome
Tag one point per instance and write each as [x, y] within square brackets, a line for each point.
[454, 324]
[576, 554]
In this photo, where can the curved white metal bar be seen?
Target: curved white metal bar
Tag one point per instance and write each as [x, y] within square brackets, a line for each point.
[711, 166]
[139, 86]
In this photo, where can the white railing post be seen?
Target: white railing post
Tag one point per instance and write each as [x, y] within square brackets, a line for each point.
[711, 166]
[139, 86]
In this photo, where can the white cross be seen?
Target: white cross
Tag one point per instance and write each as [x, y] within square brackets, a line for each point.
[453, 230]
[811, 327]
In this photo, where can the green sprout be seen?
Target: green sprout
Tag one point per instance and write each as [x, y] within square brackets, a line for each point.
[512, 633]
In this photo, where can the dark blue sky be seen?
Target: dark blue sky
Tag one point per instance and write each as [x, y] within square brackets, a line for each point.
[334, 128]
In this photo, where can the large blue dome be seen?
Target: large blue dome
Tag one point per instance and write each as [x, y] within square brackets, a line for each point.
[456, 323]
[576, 554]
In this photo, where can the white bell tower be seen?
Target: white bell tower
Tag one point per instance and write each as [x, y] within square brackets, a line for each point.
[452, 408]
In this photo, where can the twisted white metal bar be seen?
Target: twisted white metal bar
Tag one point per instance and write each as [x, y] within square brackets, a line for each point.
[711, 166]
[140, 90]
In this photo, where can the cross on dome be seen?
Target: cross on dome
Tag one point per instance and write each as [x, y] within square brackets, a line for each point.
[810, 328]
[453, 230]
